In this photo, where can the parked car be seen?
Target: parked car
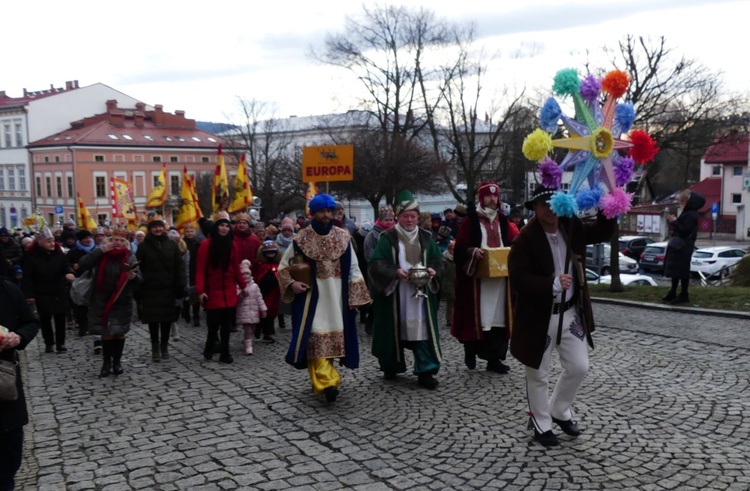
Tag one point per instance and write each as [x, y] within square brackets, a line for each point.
[627, 265]
[653, 256]
[711, 260]
[633, 245]
[630, 280]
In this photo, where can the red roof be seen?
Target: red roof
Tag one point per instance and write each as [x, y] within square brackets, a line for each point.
[731, 148]
[710, 188]
[133, 128]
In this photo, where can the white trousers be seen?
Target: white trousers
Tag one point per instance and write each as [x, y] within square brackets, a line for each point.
[574, 360]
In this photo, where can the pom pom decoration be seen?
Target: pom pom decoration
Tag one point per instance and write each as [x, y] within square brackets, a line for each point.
[563, 204]
[644, 147]
[590, 89]
[588, 198]
[615, 83]
[550, 173]
[549, 115]
[537, 145]
[624, 118]
[616, 203]
[624, 171]
[595, 144]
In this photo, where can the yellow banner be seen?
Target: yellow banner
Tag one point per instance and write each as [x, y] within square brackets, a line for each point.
[328, 163]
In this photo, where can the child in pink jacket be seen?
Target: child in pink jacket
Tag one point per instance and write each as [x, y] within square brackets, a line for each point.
[251, 308]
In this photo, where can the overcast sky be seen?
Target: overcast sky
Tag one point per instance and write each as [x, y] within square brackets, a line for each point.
[201, 56]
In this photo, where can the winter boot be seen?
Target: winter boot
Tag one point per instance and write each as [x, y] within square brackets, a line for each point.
[164, 351]
[175, 332]
[118, 346]
[155, 352]
[107, 345]
[249, 346]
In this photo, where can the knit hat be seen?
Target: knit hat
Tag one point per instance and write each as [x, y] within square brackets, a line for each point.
[4, 232]
[287, 224]
[320, 202]
[173, 234]
[153, 220]
[82, 234]
[338, 205]
[406, 202]
[245, 266]
[488, 188]
[541, 193]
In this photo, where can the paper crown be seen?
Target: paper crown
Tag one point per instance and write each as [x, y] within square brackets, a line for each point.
[242, 216]
[44, 234]
[120, 232]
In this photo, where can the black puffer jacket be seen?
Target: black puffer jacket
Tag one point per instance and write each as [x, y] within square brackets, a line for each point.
[44, 278]
[18, 317]
[163, 278]
[686, 228]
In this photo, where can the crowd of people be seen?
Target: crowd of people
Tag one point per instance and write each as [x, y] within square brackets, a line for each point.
[239, 274]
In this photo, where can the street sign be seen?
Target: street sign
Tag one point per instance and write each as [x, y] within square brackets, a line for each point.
[715, 211]
[328, 163]
[58, 210]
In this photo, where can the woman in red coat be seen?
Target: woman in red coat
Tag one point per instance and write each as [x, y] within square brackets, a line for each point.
[217, 275]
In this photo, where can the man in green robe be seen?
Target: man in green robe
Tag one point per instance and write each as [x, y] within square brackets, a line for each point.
[402, 317]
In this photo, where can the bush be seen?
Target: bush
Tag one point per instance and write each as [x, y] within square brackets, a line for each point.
[741, 272]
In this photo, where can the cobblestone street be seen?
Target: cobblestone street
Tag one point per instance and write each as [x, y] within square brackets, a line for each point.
[663, 407]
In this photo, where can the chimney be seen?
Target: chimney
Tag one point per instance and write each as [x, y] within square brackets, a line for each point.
[116, 117]
[111, 105]
[140, 106]
[68, 85]
[138, 118]
[180, 113]
[159, 108]
[75, 84]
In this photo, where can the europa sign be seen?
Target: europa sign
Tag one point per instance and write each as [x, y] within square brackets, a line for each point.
[328, 163]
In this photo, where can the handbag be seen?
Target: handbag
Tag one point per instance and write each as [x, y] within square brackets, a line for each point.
[81, 288]
[676, 243]
[8, 388]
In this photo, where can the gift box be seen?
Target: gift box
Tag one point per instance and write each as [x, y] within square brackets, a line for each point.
[494, 263]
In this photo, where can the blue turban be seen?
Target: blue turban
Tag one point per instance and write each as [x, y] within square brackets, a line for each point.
[322, 201]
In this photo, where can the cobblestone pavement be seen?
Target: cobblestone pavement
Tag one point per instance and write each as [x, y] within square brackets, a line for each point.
[664, 407]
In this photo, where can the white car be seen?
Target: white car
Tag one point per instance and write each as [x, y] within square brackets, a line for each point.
[627, 265]
[712, 260]
[630, 280]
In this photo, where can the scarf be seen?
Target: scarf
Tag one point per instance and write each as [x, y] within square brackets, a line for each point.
[410, 242]
[283, 242]
[83, 248]
[117, 256]
[383, 225]
[487, 216]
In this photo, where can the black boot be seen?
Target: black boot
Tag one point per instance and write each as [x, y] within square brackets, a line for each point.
[107, 348]
[164, 350]
[669, 296]
[427, 381]
[119, 345]
[155, 351]
[681, 298]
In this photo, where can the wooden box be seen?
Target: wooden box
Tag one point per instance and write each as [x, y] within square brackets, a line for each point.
[494, 264]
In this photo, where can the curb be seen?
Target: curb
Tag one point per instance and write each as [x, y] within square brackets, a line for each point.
[673, 308]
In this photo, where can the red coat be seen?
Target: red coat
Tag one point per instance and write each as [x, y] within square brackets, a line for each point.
[247, 245]
[219, 284]
[466, 325]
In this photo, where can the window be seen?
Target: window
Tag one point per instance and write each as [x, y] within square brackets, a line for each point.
[57, 158]
[50, 218]
[156, 179]
[101, 218]
[58, 180]
[716, 170]
[48, 180]
[46, 159]
[101, 187]
[11, 179]
[737, 171]
[98, 158]
[70, 186]
[156, 158]
[204, 159]
[19, 135]
[2, 179]
[6, 132]
[174, 185]
[736, 199]
[22, 178]
[38, 186]
[173, 158]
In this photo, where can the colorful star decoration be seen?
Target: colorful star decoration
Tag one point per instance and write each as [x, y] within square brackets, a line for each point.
[595, 144]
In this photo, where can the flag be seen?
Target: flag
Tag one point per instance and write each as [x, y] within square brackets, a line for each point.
[84, 218]
[123, 205]
[194, 192]
[243, 193]
[159, 192]
[312, 190]
[220, 196]
[189, 211]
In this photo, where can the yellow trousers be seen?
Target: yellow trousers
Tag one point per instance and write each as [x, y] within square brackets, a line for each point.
[323, 374]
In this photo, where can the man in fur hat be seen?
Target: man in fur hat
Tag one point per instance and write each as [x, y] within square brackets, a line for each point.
[403, 319]
[553, 310]
[323, 315]
[481, 320]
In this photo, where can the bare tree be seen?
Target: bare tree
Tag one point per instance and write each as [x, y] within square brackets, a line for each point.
[385, 49]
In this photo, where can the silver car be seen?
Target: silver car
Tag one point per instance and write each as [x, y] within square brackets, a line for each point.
[627, 265]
